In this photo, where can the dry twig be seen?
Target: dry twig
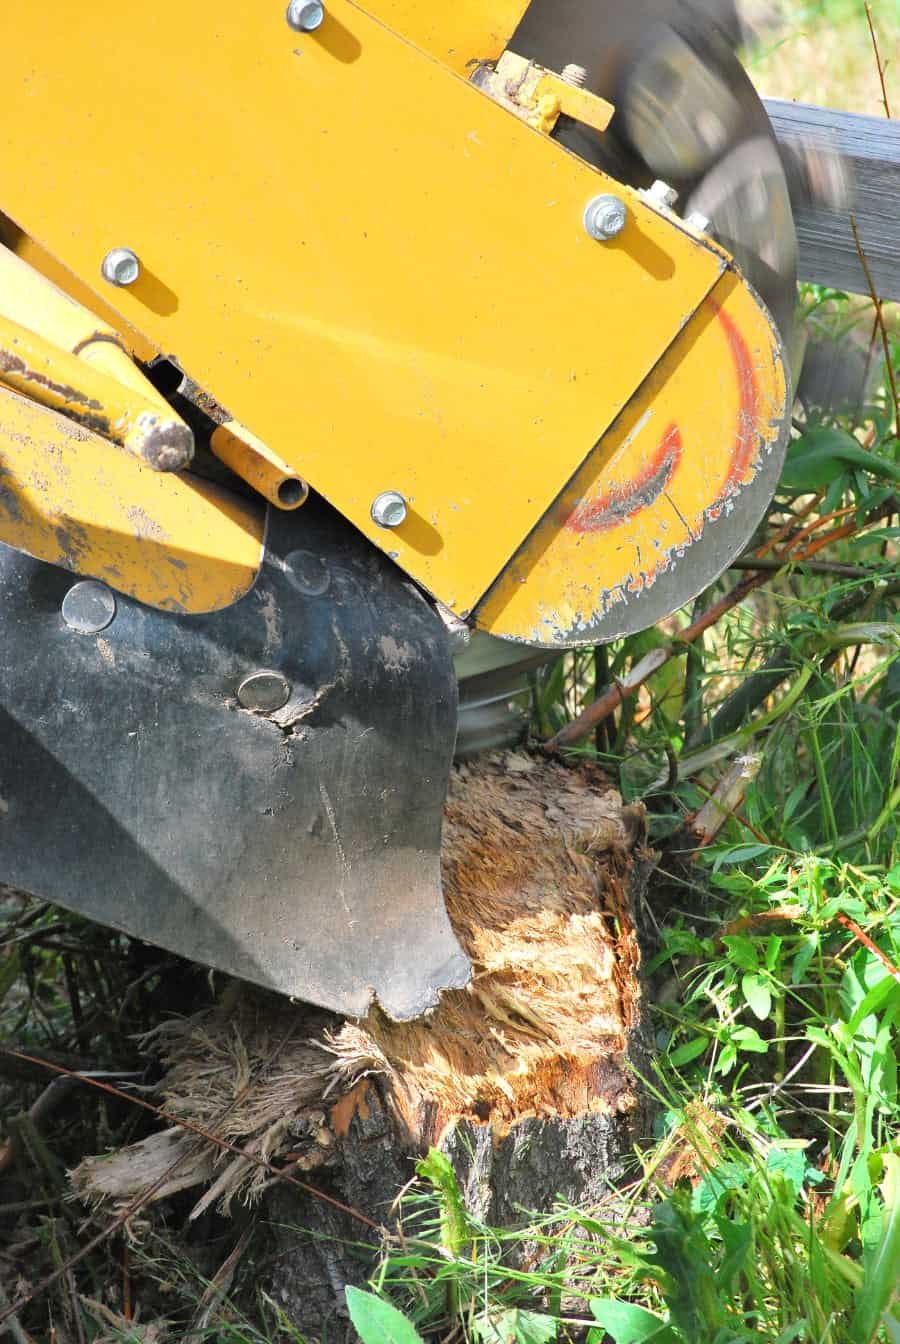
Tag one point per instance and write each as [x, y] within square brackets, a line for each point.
[879, 318]
[884, 97]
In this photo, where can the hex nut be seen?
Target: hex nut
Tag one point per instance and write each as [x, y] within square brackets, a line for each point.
[661, 194]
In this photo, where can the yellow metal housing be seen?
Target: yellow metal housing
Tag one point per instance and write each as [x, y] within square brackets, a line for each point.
[672, 466]
[457, 34]
[390, 299]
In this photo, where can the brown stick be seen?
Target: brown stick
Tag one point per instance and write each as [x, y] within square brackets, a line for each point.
[884, 97]
[772, 564]
[879, 318]
[612, 698]
[866, 941]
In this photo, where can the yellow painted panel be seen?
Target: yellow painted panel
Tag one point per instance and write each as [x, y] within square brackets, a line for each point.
[709, 423]
[380, 272]
[71, 498]
[38, 257]
[457, 34]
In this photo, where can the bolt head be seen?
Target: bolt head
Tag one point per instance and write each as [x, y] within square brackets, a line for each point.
[120, 267]
[88, 607]
[389, 509]
[604, 217]
[263, 692]
[698, 221]
[662, 194]
[305, 16]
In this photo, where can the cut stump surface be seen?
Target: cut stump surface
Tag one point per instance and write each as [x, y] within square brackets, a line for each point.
[524, 1078]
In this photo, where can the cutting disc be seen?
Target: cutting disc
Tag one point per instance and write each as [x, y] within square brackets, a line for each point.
[686, 113]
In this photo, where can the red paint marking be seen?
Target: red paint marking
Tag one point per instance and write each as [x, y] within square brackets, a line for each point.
[622, 502]
[745, 436]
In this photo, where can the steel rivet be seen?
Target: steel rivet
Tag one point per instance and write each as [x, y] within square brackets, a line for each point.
[389, 509]
[264, 692]
[88, 607]
[604, 217]
[305, 16]
[120, 267]
[307, 572]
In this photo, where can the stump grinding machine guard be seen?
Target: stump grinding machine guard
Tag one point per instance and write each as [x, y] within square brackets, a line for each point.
[232, 737]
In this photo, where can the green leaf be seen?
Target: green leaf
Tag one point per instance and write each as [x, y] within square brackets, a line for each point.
[758, 995]
[740, 854]
[436, 1168]
[716, 1183]
[742, 951]
[377, 1322]
[892, 1327]
[794, 1331]
[515, 1326]
[630, 1324]
[748, 1038]
[883, 1268]
[791, 1163]
[690, 1050]
[804, 957]
[820, 456]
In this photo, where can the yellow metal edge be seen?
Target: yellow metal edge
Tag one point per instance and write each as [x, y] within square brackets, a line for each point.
[457, 35]
[709, 424]
[173, 541]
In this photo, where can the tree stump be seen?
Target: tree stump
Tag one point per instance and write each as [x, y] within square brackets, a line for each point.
[524, 1078]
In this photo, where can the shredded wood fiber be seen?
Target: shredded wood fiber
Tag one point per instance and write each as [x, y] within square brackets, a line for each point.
[535, 857]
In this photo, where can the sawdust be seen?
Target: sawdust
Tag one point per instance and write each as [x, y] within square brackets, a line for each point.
[535, 859]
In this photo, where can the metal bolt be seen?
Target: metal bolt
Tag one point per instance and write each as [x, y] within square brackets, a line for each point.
[698, 221]
[604, 217]
[88, 607]
[574, 74]
[304, 16]
[389, 509]
[661, 194]
[264, 692]
[120, 267]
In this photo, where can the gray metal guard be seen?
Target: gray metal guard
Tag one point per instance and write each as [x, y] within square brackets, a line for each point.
[285, 829]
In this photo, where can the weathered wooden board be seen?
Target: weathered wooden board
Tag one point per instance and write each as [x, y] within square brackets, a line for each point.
[871, 148]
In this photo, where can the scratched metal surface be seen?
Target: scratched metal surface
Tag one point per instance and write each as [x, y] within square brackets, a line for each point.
[299, 850]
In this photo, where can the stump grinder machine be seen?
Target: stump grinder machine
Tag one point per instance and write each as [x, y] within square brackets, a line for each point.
[327, 337]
